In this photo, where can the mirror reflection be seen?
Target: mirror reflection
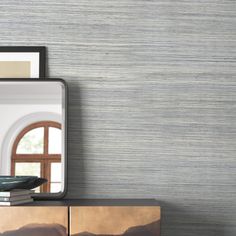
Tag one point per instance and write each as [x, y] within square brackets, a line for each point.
[32, 128]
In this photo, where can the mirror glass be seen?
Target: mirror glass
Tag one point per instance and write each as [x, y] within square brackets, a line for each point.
[32, 131]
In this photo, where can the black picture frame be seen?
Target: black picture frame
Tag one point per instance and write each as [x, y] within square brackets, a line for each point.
[31, 49]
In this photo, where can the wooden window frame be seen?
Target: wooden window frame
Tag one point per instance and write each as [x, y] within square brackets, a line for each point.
[45, 159]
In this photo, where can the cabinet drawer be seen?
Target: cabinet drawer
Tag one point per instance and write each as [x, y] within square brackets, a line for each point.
[117, 220]
[34, 221]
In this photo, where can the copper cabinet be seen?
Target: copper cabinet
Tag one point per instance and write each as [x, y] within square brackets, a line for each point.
[64, 219]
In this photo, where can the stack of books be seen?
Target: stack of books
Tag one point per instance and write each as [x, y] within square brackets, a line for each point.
[15, 197]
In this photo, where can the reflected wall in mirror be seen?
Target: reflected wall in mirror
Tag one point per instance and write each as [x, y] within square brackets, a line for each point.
[33, 132]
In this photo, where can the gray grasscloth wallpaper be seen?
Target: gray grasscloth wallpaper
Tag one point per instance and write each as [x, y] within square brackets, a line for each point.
[152, 100]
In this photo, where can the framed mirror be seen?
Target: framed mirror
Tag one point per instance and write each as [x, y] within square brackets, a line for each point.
[33, 132]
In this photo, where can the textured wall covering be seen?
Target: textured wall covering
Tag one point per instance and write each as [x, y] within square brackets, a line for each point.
[152, 100]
